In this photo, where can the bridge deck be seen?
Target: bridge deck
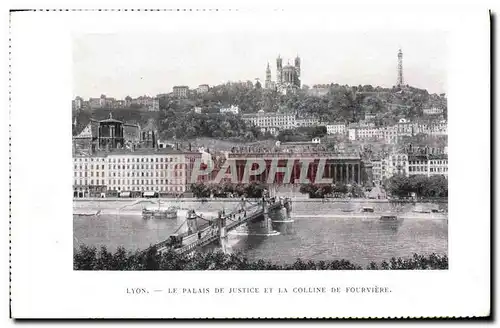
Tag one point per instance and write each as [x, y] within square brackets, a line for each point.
[209, 233]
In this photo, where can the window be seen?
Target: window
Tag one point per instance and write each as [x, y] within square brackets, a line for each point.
[102, 182]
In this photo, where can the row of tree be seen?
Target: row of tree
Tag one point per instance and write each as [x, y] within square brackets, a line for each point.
[423, 186]
[90, 258]
[248, 190]
[329, 190]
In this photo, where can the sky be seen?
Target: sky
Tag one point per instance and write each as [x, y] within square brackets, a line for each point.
[149, 63]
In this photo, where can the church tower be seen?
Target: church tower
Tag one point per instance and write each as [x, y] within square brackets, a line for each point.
[279, 70]
[268, 83]
[297, 69]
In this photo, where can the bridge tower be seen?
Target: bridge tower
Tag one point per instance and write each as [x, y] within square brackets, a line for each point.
[221, 221]
[192, 222]
[265, 213]
[288, 207]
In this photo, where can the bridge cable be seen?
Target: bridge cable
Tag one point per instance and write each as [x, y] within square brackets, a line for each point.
[179, 227]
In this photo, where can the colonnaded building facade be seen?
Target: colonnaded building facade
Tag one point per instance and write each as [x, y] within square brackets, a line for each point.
[337, 168]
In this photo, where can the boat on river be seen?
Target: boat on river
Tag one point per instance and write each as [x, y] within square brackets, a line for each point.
[388, 218]
[87, 213]
[367, 209]
[168, 213]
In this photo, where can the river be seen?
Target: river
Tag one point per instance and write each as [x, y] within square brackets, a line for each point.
[316, 231]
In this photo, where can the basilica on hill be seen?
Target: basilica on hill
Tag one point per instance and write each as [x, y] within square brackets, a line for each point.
[287, 77]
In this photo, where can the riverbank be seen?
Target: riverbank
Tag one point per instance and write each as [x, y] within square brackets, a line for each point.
[300, 207]
[294, 199]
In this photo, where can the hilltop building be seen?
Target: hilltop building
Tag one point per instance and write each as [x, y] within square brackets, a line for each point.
[287, 77]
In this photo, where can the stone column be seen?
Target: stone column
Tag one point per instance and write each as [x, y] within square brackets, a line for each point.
[342, 173]
[352, 173]
[359, 173]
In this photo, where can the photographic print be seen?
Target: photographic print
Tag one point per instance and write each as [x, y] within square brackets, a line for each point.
[306, 162]
[268, 152]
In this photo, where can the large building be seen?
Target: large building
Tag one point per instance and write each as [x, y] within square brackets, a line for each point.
[339, 168]
[180, 91]
[77, 103]
[433, 111]
[339, 128]
[397, 164]
[428, 164]
[377, 171]
[436, 128]
[287, 77]
[150, 103]
[280, 121]
[307, 121]
[89, 175]
[163, 170]
[203, 88]
[110, 133]
[233, 110]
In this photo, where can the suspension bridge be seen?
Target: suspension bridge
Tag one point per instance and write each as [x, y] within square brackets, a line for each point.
[211, 231]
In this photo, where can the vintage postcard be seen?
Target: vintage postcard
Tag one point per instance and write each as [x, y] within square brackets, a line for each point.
[203, 163]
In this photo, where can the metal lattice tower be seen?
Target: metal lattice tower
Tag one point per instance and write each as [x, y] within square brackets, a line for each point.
[400, 68]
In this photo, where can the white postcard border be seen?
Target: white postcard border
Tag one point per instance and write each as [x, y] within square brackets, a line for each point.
[43, 282]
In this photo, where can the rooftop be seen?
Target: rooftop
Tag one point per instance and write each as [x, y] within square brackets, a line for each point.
[139, 152]
[110, 120]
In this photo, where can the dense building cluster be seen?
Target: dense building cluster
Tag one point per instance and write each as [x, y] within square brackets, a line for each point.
[113, 157]
[144, 102]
